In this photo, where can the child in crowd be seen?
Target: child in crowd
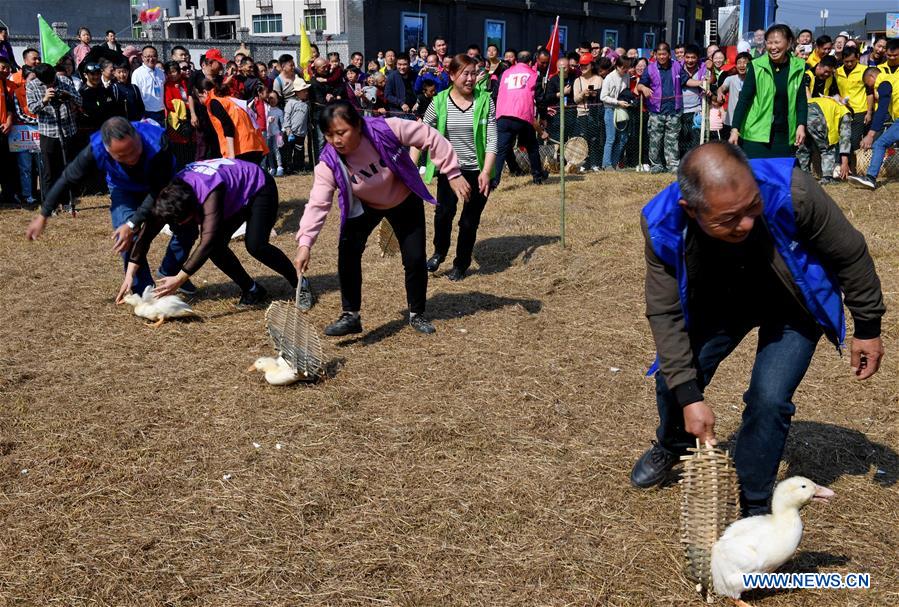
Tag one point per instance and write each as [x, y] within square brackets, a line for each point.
[428, 90]
[295, 126]
[273, 121]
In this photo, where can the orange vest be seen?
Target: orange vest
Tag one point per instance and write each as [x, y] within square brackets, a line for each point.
[19, 90]
[246, 137]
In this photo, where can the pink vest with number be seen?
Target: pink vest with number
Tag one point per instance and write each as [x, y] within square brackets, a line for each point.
[516, 93]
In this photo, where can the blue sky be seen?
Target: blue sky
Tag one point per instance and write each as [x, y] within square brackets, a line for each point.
[805, 13]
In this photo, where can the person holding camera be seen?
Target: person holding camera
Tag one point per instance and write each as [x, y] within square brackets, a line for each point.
[586, 96]
[55, 102]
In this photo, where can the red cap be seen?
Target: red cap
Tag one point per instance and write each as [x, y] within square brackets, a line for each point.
[214, 54]
[586, 58]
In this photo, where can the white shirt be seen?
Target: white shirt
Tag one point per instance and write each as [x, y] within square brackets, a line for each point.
[150, 84]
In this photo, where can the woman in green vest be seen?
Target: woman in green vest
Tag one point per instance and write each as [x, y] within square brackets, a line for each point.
[465, 115]
[769, 120]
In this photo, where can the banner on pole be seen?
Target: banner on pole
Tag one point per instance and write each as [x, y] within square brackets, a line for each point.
[24, 138]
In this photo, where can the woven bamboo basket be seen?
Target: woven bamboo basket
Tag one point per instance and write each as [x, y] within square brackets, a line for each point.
[710, 496]
[889, 169]
[387, 241]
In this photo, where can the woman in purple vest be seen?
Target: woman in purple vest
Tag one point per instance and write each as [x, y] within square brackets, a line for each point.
[367, 163]
[220, 195]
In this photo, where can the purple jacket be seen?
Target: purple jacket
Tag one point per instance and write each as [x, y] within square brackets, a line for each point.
[655, 78]
[241, 180]
[391, 151]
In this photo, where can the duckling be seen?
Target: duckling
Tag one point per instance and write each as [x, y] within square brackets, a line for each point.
[158, 308]
[278, 372]
[761, 544]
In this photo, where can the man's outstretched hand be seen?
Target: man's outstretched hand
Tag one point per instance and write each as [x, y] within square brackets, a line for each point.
[865, 356]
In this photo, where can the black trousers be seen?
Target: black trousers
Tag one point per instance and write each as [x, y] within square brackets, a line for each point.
[52, 162]
[260, 214]
[9, 176]
[469, 219]
[507, 130]
[408, 222]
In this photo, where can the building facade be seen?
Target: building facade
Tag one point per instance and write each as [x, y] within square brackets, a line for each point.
[20, 16]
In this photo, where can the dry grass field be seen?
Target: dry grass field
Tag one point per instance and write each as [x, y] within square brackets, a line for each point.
[484, 465]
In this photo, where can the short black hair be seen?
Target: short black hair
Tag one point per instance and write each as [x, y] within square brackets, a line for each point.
[342, 109]
[178, 47]
[285, 58]
[822, 40]
[850, 51]
[110, 32]
[274, 62]
[149, 46]
[357, 54]
[663, 45]
[428, 83]
[5, 60]
[46, 73]
[783, 30]
[436, 38]
[176, 202]
[743, 55]
[692, 49]
[805, 31]
[829, 61]
[893, 44]
[30, 50]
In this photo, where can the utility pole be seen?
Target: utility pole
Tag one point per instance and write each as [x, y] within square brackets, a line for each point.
[824, 15]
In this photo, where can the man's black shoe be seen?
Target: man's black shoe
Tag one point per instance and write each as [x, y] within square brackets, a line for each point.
[421, 324]
[253, 297]
[653, 466]
[347, 324]
[456, 274]
[306, 299]
[434, 262]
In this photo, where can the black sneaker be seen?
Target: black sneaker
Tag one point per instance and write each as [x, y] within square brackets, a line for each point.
[653, 466]
[346, 324]
[307, 298]
[254, 296]
[421, 324]
[864, 181]
[434, 262]
[188, 288]
[455, 274]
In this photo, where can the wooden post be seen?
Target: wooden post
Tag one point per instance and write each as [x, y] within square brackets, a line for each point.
[562, 161]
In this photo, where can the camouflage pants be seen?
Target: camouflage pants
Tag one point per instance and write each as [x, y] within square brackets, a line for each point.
[816, 136]
[664, 131]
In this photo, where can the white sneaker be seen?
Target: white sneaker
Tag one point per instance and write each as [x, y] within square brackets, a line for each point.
[864, 181]
[279, 172]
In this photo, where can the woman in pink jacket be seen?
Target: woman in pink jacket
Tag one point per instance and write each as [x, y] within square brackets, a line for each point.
[366, 162]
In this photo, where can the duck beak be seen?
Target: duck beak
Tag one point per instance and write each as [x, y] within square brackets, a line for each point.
[822, 494]
[250, 368]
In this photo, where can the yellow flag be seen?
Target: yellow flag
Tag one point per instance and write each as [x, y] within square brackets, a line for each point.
[305, 54]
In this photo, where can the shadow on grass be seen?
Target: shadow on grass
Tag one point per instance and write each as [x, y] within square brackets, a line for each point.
[495, 255]
[446, 306]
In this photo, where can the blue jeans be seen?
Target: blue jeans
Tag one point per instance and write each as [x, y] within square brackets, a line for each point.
[782, 358]
[122, 207]
[615, 140]
[25, 160]
[879, 149]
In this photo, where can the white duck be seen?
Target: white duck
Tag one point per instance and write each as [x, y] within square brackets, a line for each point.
[158, 308]
[278, 372]
[761, 544]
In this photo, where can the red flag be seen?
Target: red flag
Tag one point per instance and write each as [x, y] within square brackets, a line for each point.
[553, 47]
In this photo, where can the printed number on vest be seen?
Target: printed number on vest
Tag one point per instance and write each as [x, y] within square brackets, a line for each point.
[517, 81]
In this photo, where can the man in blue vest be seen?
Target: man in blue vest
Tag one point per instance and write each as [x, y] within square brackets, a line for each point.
[735, 245]
[137, 163]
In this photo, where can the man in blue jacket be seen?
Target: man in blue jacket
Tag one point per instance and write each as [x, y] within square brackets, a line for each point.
[137, 163]
[732, 246]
